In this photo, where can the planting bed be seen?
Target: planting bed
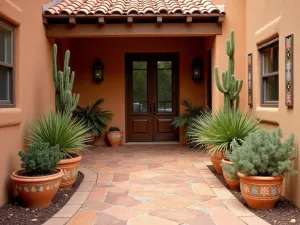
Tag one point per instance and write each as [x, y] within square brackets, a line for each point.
[284, 212]
[14, 213]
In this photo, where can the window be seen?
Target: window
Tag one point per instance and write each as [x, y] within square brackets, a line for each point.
[6, 64]
[269, 73]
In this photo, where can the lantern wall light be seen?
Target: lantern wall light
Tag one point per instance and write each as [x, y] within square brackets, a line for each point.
[98, 71]
[197, 70]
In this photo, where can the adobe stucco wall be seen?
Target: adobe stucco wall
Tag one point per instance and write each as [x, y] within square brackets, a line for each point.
[33, 83]
[112, 51]
[273, 18]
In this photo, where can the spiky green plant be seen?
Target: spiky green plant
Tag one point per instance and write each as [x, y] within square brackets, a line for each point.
[60, 129]
[263, 154]
[231, 87]
[190, 113]
[65, 101]
[217, 131]
[94, 116]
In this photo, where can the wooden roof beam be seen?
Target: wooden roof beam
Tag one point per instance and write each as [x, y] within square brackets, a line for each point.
[189, 19]
[101, 20]
[221, 19]
[72, 20]
[159, 20]
[129, 20]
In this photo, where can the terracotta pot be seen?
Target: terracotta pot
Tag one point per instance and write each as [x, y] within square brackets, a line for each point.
[115, 138]
[70, 169]
[37, 192]
[216, 161]
[233, 184]
[260, 192]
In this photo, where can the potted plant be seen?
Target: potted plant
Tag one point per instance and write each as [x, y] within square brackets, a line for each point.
[71, 137]
[262, 161]
[39, 181]
[217, 132]
[114, 136]
[93, 117]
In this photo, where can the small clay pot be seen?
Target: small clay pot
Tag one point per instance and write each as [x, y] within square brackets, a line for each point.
[70, 169]
[115, 138]
[37, 191]
[233, 184]
[216, 160]
[261, 192]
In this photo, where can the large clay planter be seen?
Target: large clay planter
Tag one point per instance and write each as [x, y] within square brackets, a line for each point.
[115, 138]
[260, 192]
[233, 184]
[37, 192]
[216, 160]
[70, 169]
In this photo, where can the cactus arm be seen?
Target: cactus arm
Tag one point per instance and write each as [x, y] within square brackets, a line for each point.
[221, 89]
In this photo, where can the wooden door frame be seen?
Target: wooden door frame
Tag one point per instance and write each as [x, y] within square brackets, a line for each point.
[127, 57]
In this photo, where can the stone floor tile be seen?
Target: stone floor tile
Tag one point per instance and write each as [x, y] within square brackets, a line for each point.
[223, 216]
[253, 220]
[146, 174]
[179, 216]
[56, 221]
[214, 183]
[104, 178]
[78, 198]
[201, 198]
[141, 181]
[200, 166]
[86, 217]
[135, 169]
[105, 219]
[90, 177]
[120, 177]
[206, 174]
[174, 202]
[174, 166]
[95, 205]
[117, 190]
[146, 194]
[98, 194]
[145, 207]
[163, 170]
[202, 218]
[203, 189]
[192, 171]
[121, 212]
[122, 200]
[168, 179]
[154, 165]
[237, 207]
[67, 211]
[149, 220]
[223, 193]
[121, 223]
[86, 186]
[208, 204]
[106, 170]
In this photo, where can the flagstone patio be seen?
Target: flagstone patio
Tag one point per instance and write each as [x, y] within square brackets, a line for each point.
[151, 185]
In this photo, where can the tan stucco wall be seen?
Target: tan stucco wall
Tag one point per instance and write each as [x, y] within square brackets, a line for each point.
[33, 83]
[273, 18]
[112, 52]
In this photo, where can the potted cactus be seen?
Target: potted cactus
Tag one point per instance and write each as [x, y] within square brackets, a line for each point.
[114, 136]
[39, 180]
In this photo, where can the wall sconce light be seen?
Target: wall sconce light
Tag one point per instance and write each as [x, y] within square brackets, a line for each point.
[98, 71]
[197, 73]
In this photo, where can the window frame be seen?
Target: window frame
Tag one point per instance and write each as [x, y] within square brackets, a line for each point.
[10, 103]
[269, 45]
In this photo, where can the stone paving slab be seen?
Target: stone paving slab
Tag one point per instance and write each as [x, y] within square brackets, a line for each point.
[151, 185]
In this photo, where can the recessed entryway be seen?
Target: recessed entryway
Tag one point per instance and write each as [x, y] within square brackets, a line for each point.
[152, 96]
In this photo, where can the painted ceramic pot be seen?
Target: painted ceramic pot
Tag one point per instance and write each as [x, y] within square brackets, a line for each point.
[37, 192]
[70, 169]
[233, 184]
[216, 160]
[115, 138]
[260, 192]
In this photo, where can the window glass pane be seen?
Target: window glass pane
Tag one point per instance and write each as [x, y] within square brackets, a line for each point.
[270, 60]
[4, 83]
[139, 65]
[164, 65]
[271, 88]
[164, 89]
[275, 59]
[5, 45]
[140, 90]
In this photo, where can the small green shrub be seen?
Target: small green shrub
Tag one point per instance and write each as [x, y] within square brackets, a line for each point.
[263, 154]
[40, 159]
[114, 129]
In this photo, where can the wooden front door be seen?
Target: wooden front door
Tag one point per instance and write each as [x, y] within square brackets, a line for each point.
[152, 96]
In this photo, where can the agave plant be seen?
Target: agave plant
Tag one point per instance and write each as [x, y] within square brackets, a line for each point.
[190, 113]
[219, 130]
[94, 117]
[62, 130]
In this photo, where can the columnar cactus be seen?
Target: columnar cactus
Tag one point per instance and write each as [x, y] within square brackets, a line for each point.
[231, 87]
[65, 101]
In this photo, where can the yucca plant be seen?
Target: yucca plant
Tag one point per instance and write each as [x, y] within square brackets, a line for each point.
[62, 130]
[94, 116]
[217, 131]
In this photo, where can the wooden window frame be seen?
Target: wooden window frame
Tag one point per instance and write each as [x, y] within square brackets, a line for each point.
[10, 103]
[271, 44]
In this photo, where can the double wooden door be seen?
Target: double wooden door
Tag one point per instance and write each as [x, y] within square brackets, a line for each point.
[152, 96]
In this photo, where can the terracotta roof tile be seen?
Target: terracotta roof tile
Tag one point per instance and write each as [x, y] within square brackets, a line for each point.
[127, 7]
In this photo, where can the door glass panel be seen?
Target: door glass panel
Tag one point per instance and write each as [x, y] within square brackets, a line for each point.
[139, 86]
[164, 86]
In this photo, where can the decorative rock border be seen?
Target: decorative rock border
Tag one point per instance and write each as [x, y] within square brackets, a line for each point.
[77, 200]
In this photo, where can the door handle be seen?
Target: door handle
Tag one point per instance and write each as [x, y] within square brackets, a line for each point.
[154, 108]
[150, 107]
